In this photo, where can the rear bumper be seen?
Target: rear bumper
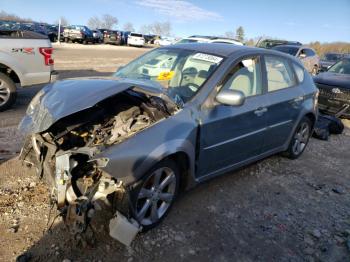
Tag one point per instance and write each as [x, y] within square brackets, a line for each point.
[111, 41]
[53, 76]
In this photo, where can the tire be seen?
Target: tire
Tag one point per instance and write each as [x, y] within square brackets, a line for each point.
[66, 40]
[84, 42]
[150, 201]
[8, 93]
[300, 139]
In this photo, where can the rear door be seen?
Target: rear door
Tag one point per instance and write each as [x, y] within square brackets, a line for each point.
[230, 135]
[285, 97]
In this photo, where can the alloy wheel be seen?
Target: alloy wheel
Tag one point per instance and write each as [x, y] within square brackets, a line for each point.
[301, 138]
[156, 195]
[4, 92]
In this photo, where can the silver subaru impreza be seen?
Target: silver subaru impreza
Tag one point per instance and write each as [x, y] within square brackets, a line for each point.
[173, 117]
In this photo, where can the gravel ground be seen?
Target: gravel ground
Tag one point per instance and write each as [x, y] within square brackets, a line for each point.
[274, 210]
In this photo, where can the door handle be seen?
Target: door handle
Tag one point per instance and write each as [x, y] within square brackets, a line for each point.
[260, 111]
[298, 99]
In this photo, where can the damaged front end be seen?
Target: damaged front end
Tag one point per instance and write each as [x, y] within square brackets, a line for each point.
[66, 153]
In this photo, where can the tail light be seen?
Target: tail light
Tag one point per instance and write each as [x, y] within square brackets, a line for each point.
[47, 53]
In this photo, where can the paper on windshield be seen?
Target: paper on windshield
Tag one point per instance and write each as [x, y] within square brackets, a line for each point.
[208, 58]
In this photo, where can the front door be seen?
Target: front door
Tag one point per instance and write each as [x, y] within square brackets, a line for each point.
[232, 134]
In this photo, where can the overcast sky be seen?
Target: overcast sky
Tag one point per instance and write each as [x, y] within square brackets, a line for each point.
[300, 20]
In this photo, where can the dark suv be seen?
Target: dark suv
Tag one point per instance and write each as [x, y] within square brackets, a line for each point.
[329, 59]
[269, 43]
[78, 33]
[111, 36]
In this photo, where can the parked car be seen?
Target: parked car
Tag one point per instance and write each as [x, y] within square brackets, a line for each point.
[164, 41]
[111, 36]
[270, 43]
[209, 39]
[306, 54]
[78, 33]
[98, 36]
[135, 39]
[35, 27]
[150, 39]
[25, 59]
[329, 59]
[334, 86]
[139, 138]
[125, 35]
[52, 32]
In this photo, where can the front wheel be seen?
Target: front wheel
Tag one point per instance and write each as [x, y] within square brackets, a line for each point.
[300, 139]
[153, 197]
[8, 92]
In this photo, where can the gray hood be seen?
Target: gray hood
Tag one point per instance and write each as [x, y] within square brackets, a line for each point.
[67, 97]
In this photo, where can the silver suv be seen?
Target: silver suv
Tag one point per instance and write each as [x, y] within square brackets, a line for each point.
[142, 133]
[307, 56]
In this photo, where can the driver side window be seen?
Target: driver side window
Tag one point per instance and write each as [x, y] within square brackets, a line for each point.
[245, 77]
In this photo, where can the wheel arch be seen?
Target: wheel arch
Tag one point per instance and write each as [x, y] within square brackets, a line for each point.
[10, 73]
[312, 118]
[183, 161]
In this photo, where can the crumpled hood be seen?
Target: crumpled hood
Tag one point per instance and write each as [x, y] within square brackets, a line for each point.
[67, 97]
[333, 79]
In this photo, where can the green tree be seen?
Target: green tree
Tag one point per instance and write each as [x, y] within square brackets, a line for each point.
[240, 34]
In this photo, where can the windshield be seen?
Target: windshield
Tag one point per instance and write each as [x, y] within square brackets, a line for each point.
[181, 72]
[287, 49]
[342, 67]
[186, 41]
[332, 57]
[136, 35]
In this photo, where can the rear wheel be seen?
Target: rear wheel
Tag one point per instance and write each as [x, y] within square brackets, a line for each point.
[8, 92]
[300, 139]
[154, 196]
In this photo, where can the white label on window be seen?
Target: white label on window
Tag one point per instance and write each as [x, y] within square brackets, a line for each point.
[208, 58]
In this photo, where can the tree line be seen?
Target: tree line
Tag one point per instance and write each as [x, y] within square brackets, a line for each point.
[108, 21]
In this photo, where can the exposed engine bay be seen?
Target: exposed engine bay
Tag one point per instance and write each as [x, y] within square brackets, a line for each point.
[64, 155]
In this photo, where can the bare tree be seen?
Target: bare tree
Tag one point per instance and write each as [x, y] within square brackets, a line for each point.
[64, 21]
[94, 22]
[240, 34]
[157, 28]
[230, 34]
[161, 28]
[129, 27]
[12, 17]
[109, 21]
[145, 29]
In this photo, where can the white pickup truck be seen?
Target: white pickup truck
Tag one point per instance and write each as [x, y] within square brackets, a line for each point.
[25, 60]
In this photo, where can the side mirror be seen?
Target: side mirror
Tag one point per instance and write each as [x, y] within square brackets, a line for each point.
[302, 55]
[230, 97]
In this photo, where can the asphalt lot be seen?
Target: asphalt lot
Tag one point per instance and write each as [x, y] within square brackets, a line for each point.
[274, 210]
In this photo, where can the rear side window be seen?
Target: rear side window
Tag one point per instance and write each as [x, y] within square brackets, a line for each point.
[309, 52]
[279, 73]
[299, 71]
